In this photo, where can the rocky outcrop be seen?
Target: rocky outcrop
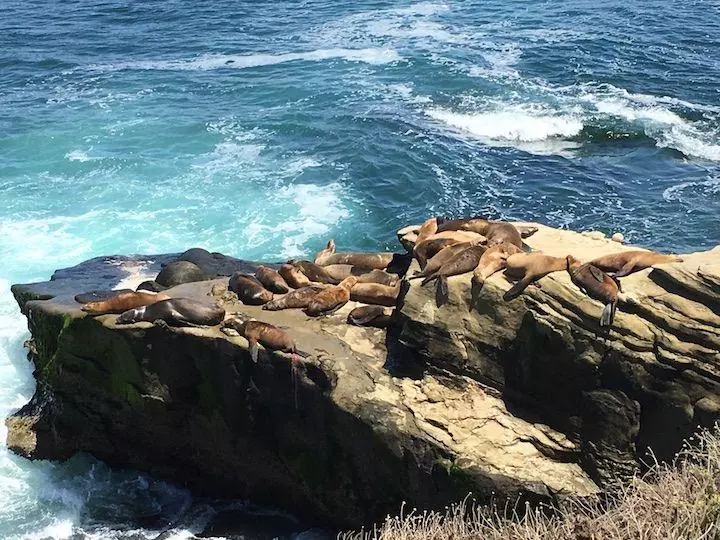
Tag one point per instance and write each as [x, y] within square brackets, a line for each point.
[524, 398]
[648, 383]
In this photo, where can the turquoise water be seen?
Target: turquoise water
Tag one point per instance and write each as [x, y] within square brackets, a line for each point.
[262, 129]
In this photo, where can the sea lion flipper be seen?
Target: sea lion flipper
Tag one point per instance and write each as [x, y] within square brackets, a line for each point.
[517, 289]
[527, 232]
[608, 315]
[596, 273]
[442, 294]
[254, 349]
[626, 269]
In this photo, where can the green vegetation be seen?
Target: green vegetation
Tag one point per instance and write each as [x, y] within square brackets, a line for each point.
[677, 501]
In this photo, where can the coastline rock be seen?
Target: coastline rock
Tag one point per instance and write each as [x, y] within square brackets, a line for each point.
[512, 399]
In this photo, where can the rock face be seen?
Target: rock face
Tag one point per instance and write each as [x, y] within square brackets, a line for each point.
[512, 398]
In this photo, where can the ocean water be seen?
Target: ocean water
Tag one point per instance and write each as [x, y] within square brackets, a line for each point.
[261, 129]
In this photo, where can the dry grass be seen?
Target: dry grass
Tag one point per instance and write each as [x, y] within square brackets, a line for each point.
[678, 501]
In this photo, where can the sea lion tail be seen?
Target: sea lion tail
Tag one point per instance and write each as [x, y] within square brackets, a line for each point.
[608, 315]
[442, 294]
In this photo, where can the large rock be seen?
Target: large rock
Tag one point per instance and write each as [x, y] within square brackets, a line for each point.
[647, 383]
[346, 443]
[524, 398]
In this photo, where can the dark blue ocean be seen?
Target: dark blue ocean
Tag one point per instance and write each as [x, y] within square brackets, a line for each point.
[261, 129]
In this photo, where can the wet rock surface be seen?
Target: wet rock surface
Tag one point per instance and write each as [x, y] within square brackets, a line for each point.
[524, 398]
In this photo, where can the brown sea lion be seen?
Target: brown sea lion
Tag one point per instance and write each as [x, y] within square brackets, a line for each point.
[249, 290]
[496, 232]
[440, 258]
[271, 279]
[378, 261]
[341, 271]
[175, 312]
[529, 267]
[96, 296]
[429, 248]
[627, 262]
[314, 272]
[376, 294]
[293, 276]
[257, 332]
[123, 302]
[375, 316]
[597, 285]
[493, 260]
[458, 236]
[332, 298]
[465, 261]
[427, 229]
[299, 298]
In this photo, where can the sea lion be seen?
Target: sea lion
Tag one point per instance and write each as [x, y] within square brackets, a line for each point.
[375, 316]
[465, 261]
[332, 298]
[293, 276]
[179, 272]
[496, 232]
[152, 286]
[123, 302]
[257, 332]
[493, 260]
[627, 262]
[529, 267]
[341, 271]
[597, 285]
[442, 256]
[271, 279]
[429, 248]
[458, 236]
[427, 229]
[249, 290]
[314, 272]
[378, 261]
[299, 298]
[374, 293]
[96, 296]
[175, 312]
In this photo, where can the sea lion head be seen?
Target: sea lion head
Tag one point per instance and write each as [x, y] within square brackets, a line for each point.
[349, 282]
[571, 262]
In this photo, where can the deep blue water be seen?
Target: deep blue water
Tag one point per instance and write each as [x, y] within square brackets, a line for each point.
[261, 129]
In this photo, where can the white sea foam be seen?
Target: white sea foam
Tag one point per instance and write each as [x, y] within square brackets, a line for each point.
[77, 155]
[375, 56]
[513, 124]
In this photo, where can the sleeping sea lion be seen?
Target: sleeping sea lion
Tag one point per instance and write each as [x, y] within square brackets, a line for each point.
[123, 302]
[314, 272]
[429, 248]
[378, 261]
[341, 271]
[458, 236]
[493, 260]
[627, 262]
[376, 294]
[332, 298]
[271, 279]
[597, 285]
[375, 316]
[249, 290]
[179, 272]
[529, 267]
[441, 257]
[426, 230]
[293, 276]
[96, 296]
[465, 261]
[175, 312]
[257, 332]
[496, 232]
[299, 298]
